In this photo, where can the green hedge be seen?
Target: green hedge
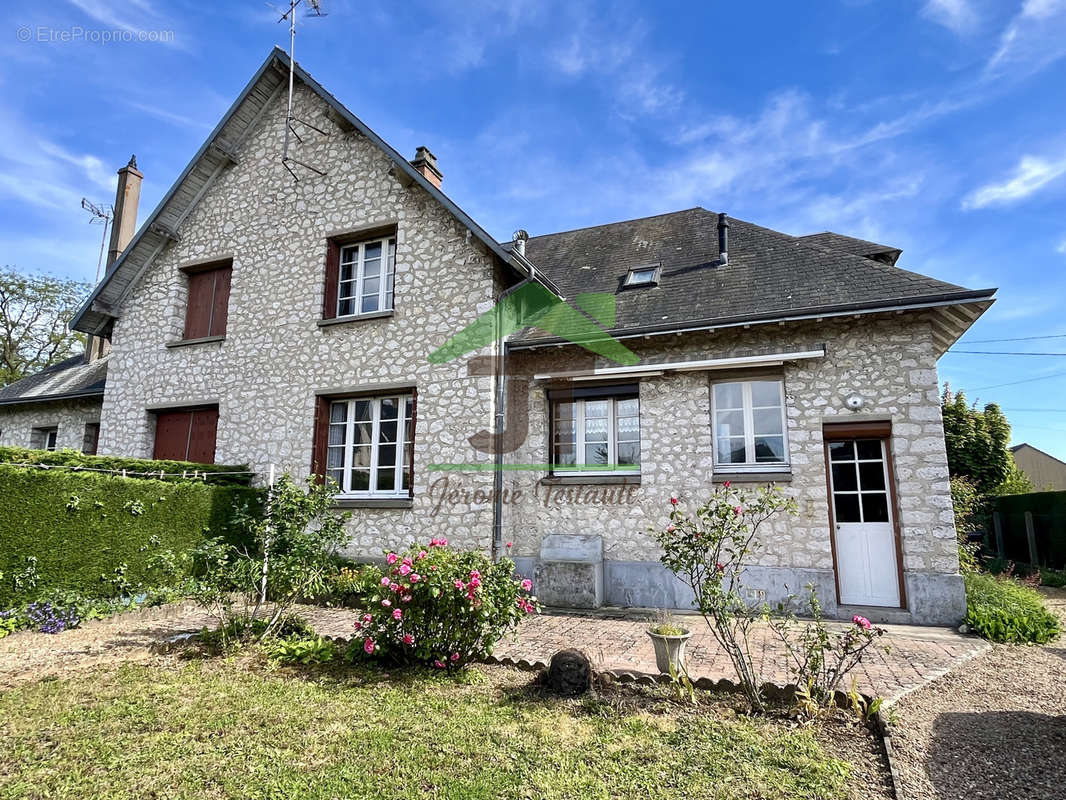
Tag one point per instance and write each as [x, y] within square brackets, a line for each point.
[1002, 610]
[72, 458]
[81, 525]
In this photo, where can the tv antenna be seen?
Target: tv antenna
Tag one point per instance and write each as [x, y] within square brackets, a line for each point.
[315, 10]
[102, 215]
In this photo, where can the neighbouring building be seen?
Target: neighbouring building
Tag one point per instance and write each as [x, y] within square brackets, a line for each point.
[328, 309]
[1044, 471]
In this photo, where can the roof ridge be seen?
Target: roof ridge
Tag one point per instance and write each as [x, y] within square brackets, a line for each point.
[620, 222]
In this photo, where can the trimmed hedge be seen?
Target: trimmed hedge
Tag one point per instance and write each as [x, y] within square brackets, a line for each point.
[1002, 610]
[82, 525]
[72, 458]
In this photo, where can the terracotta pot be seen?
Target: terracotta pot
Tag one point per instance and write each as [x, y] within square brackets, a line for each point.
[669, 650]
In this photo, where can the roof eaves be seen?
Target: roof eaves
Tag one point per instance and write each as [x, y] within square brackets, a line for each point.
[50, 398]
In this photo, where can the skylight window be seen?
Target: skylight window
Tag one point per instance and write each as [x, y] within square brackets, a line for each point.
[643, 276]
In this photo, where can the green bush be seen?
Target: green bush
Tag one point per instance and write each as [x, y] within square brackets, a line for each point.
[137, 466]
[102, 535]
[1003, 610]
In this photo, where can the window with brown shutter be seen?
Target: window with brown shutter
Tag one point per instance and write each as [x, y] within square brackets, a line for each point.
[186, 434]
[360, 273]
[208, 306]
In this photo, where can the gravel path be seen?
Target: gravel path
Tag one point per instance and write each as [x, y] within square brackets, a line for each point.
[994, 728]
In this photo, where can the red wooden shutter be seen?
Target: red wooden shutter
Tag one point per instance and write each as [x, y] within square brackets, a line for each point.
[321, 438]
[201, 298]
[220, 301]
[333, 266]
[172, 434]
[202, 436]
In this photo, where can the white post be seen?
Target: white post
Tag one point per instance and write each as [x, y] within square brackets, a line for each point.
[266, 539]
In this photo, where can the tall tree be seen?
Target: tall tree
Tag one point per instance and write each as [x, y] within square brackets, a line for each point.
[34, 311]
[977, 442]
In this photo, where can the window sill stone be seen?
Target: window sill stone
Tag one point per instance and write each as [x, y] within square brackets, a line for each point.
[769, 476]
[200, 340]
[325, 323]
[591, 480]
[373, 502]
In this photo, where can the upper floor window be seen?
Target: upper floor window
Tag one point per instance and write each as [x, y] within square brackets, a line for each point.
[44, 438]
[596, 434]
[369, 444]
[360, 276]
[208, 306]
[749, 424]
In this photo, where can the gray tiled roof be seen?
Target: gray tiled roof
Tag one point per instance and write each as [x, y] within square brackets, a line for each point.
[67, 379]
[769, 274]
[857, 247]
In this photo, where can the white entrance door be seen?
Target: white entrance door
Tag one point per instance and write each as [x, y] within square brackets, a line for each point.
[867, 572]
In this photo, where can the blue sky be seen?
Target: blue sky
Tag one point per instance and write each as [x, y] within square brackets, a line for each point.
[937, 126]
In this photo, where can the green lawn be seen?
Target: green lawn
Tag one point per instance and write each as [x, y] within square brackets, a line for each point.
[217, 729]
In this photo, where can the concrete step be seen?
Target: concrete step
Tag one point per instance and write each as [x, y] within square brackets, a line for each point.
[878, 614]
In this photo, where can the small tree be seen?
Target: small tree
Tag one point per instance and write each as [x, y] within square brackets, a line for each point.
[977, 441]
[34, 311]
[709, 550]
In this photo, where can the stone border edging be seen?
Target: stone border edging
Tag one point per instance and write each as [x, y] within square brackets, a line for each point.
[886, 739]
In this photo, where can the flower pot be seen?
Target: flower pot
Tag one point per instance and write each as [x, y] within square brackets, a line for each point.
[669, 650]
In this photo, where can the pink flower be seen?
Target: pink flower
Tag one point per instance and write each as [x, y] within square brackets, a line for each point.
[406, 598]
[459, 585]
[669, 528]
[439, 664]
[385, 581]
[719, 567]
[475, 582]
[367, 618]
[738, 510]
[510, 544]
[407, 561]
[386, 602]
[862, 622]
[358, 624]
[397, 614]
[527, 585]
[394, 587]
[455, 656]
[405, 569]
[438, 542]
[391, 558]
[408, 639]
[368, 646]
[433, 567]
[422, 554]
[475, 573]
[673, 501]
[727, 484]
[415, 577]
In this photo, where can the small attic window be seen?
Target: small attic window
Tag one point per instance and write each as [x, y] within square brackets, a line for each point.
[644, 276]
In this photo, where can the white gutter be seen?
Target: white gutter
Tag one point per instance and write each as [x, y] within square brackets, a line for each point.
[649, 370]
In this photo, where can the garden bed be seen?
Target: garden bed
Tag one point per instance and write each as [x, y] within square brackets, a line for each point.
[241, 728]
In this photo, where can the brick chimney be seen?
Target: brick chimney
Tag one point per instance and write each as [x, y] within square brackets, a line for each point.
[123, 226]
[127, 195]
[426, 163]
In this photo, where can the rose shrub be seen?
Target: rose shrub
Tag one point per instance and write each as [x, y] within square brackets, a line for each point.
[440, 606]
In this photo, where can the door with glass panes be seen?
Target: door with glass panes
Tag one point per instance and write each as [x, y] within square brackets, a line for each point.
[864, 530]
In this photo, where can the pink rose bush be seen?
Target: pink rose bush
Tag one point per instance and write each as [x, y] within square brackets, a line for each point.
[451, 611]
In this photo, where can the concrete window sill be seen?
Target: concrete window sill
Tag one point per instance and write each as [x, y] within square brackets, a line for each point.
[373, 502]
[591, 480]
[325, 323]
[752, 477]
[201, 340]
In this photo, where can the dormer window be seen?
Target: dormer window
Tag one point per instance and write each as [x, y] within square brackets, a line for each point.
[643, 276]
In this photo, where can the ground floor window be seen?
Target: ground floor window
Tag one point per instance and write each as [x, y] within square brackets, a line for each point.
[186, 434]
[596, 431]
[44, 438]
[748, 422]
[369, 445]
[91, 438]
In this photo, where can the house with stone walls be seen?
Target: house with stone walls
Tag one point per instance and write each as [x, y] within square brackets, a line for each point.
[316, 303]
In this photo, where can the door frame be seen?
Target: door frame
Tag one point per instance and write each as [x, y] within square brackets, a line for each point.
[843, 431]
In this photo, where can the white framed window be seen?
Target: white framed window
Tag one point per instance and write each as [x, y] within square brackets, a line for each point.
[44, 438]
[748, 422]
[643, 276]
[369, 445]
[596, 435]
[366, 277]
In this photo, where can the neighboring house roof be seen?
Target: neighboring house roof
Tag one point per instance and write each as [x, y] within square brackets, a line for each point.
[69, 379]
[770, 276]
[857, 247]
[219, 151]
[1044, 471]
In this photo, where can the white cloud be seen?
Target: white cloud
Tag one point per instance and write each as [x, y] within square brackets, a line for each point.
[1034, 39]
[958, 16]
[1062, 247]
[1031, 174]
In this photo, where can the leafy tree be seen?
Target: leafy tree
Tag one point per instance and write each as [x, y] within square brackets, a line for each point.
[977, 441]
[34, 311]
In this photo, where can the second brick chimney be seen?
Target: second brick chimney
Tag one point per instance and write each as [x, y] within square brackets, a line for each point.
[426, 163]
[124, 224]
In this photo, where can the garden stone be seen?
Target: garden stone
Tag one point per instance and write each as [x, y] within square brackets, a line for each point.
[569, 673]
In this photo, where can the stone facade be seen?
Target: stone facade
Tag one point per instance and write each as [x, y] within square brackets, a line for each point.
[275, 357]
[69, 416]
[889, 362]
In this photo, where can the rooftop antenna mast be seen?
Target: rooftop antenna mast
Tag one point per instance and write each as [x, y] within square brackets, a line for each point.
[103, 215]
[290, 16]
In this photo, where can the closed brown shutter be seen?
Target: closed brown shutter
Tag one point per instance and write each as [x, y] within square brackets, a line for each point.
[186, 435]
[333, 262]
[321, 438]
[220, 304]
